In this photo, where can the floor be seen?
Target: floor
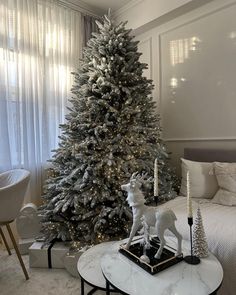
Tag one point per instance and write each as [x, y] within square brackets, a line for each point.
[42, 281]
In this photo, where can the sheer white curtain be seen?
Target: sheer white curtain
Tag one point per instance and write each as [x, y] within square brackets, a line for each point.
[40, 44]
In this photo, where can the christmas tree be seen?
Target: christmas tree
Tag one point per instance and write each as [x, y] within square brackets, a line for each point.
[200, 247]
[111, 131]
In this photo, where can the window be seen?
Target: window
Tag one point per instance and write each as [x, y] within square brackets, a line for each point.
[39, 47]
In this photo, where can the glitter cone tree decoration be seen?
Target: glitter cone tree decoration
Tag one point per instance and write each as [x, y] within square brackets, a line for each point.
[200, 247]
[146, 240]
[111, 131]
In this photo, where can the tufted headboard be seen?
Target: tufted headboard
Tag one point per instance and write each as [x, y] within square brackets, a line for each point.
[210, 155]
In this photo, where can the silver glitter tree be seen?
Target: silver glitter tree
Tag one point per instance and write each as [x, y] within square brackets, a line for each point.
[200, 247]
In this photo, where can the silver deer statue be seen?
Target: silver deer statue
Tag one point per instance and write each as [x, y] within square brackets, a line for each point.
[161, 219]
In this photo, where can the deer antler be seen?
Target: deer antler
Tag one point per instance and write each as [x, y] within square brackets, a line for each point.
[141, 178]
[134, 176]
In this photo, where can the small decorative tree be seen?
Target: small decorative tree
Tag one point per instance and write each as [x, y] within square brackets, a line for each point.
[146, 240]
[146, 235]
[200, 247]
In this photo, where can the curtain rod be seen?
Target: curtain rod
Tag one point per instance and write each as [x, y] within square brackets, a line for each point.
[77, 7]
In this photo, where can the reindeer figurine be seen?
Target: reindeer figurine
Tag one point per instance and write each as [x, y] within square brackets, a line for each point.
[161, 219]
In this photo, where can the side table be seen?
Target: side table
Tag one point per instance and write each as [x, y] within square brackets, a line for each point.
[180, 279]
[89, 267]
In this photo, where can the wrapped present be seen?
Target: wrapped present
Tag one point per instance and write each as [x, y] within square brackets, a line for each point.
[48, 255]
[71, 260]
[58, 252]
[24, 245]
[38, 255]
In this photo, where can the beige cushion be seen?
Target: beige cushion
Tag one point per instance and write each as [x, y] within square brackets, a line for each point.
[224, 197]
[226, 178]
[226, 175]
[202, 183]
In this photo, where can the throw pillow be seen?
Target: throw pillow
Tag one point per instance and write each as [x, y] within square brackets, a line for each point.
[223, 197]
[226, 178]
[202, 183]
[226, 175]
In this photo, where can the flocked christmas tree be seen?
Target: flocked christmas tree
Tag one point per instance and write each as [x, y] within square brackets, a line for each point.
[200, 247]
[112, 130]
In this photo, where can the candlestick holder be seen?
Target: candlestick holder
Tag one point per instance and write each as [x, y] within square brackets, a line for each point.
[156, 199]
[191, 259]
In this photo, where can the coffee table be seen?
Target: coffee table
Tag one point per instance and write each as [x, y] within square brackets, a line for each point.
[180, 279]
[89, 267]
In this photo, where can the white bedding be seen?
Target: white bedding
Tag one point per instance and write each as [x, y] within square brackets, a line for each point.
[220, 228]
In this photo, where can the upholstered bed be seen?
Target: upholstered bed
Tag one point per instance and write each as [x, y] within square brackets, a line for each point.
[219, 220]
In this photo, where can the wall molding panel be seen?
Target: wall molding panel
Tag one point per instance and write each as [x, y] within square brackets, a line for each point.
[197, 85]
[154, 37]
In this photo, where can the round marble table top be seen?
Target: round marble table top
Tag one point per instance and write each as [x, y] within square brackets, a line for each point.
[89, 266]
[180, 279]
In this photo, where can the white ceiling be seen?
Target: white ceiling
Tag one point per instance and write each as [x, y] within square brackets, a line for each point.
[105, 4]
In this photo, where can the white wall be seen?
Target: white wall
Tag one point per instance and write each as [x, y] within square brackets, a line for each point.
[150, 45]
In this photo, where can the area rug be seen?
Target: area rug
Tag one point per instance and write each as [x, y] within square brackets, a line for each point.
[42, 281]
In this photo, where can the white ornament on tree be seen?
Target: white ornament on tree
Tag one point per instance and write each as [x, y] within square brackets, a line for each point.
[200, 247]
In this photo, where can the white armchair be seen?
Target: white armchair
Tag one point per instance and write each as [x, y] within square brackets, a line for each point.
[13, 186]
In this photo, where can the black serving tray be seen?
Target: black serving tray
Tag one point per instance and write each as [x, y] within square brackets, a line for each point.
[167, 259]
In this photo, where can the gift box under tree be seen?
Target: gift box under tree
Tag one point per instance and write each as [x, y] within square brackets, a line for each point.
[50, 255]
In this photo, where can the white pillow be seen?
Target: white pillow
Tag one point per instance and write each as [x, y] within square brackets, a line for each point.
[226, 178]
[202, 183]
[224, 197]
[226, 175]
